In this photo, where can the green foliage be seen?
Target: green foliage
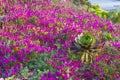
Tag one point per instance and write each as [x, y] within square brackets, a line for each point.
[95, 6]
[115, 16]
[1, 10]
[24, 72]
[98, 11]
[32, 20]
[78, 2]
[11, 78]
[18, 22]
[37, 65]
[85, 40]
[83, 44]
[107, 36]
[74, 56]
[56, 2]
[39, 62]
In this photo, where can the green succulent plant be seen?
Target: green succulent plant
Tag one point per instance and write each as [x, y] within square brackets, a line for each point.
[85, 40]
[83, 48]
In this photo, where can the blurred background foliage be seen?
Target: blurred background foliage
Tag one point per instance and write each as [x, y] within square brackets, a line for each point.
[111, 15]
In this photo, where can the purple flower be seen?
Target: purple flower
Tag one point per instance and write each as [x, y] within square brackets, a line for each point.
[50, 76]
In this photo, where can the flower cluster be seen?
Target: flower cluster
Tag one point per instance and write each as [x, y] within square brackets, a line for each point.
[40, 26]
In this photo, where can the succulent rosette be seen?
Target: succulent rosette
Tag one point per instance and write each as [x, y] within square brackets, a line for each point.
[85, 40]
[83, 44]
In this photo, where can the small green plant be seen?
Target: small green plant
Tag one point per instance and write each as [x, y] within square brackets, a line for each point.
[85, 40]
[84, 44]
